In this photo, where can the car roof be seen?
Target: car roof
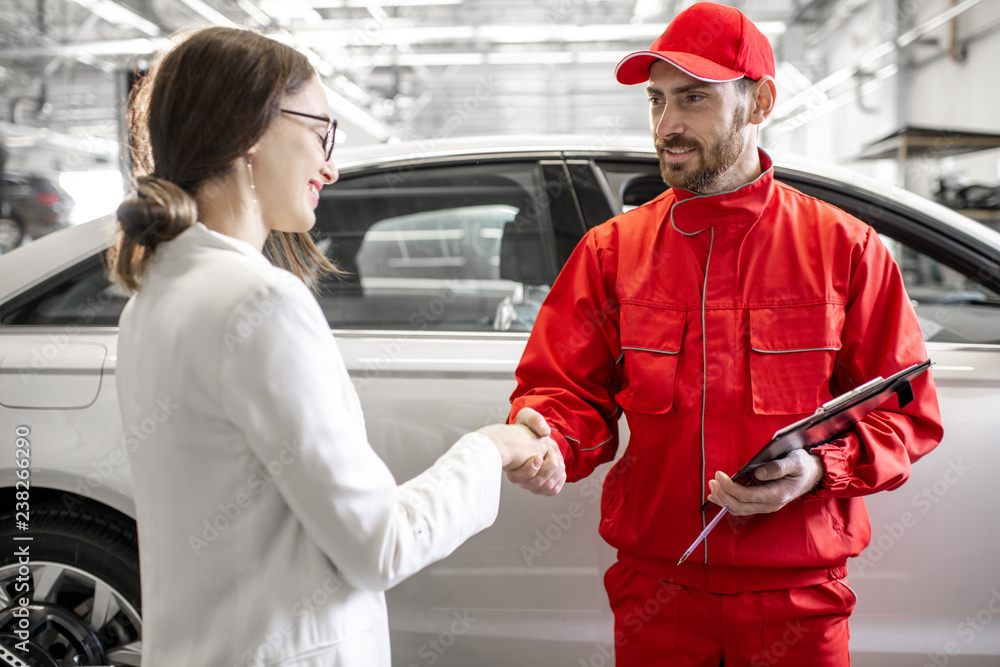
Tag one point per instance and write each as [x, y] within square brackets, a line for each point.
[467, 147]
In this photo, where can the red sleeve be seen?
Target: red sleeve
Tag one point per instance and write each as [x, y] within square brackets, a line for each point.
[569, 370]
[881, 336]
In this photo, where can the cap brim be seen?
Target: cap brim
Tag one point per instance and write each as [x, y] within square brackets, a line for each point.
[634, 68]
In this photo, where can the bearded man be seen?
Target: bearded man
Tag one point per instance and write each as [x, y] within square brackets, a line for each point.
[719, 312]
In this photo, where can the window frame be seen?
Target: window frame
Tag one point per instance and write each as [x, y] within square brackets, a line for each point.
[555, 191]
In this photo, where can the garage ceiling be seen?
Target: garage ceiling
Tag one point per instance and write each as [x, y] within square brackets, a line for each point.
[395, 69]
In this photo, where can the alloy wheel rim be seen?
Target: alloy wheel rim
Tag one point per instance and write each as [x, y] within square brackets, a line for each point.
[72, 614]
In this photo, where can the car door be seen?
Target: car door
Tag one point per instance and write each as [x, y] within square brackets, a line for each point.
[57, 378]
[447, 264]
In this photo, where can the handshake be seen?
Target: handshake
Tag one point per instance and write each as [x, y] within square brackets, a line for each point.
[530, 457]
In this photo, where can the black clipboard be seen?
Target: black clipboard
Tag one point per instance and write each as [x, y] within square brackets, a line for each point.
[832, 419]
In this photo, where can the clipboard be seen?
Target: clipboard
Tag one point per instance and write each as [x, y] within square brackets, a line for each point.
[830, 421]
[834, 418]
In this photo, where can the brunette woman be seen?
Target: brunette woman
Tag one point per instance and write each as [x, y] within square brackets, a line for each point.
[268, 527]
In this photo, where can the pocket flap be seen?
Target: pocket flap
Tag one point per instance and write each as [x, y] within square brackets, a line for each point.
[651, 344]
[796, 329]
[650, 329]
[792, 355]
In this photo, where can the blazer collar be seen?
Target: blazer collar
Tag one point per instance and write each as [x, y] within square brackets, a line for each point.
[198, 236]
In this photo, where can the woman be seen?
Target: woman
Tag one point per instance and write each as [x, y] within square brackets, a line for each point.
[267, 525]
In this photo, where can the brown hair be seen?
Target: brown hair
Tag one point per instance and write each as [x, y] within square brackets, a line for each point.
[204, 103]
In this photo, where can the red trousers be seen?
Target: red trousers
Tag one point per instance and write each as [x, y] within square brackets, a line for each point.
[658, 623]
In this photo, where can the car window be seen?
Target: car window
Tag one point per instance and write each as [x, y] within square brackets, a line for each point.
[951, 306]
[82, 296]
[443, 248]
[634, 182]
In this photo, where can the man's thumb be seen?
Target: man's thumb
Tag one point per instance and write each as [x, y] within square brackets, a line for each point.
[533, 420]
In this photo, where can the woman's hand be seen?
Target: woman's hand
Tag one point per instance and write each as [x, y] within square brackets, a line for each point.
[518, 445]
[541, 471]
[522, 442]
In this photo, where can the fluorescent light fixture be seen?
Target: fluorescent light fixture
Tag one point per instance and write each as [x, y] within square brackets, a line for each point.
[340, 4]
[254, 12]
[208, 12]
[535, 33]
[791, 79]
[472, 59]
[345, 110]
[636, 36]
[137, 46]
[119, 15]
[284, 11]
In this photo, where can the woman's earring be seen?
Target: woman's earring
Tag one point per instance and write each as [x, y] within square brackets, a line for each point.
[253, 188]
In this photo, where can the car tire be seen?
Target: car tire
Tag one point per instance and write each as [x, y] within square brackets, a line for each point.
[11, 234]
[81, 585]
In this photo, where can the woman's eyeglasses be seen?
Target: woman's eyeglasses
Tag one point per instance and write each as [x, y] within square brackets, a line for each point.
[331, 130]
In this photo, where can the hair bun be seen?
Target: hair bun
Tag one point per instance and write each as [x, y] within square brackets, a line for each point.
[158, 211]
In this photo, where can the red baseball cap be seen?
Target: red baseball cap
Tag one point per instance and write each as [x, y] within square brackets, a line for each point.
[708, 41]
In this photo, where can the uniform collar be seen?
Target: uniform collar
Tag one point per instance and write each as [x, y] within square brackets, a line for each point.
[692, 213]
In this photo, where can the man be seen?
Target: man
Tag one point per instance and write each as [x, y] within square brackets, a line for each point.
[724, 309]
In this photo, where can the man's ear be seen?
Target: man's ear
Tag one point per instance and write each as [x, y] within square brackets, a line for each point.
[762, 96]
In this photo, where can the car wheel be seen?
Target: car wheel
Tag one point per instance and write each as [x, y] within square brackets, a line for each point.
[81, 581]
[11, 234]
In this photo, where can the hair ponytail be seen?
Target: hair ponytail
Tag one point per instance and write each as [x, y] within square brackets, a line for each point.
[158, 211]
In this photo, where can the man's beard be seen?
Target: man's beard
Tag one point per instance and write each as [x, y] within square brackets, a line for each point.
[714, 162]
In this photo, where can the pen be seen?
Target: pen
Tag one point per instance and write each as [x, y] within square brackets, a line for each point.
[708, 529]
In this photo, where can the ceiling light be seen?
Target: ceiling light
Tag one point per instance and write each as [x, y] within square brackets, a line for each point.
[340, 4]
[285, 11]
[121, 16]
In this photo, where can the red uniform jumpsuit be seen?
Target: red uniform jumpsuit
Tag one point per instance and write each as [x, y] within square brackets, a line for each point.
[712, 321]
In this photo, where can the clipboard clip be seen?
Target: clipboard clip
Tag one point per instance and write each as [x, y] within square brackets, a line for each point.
[844, 398]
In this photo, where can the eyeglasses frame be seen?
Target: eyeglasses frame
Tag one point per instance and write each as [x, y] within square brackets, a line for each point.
[331, 129]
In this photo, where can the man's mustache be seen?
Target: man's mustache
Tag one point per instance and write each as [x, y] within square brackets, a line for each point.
[675, 144]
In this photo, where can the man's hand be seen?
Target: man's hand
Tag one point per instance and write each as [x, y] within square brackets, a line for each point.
[779, 483]
[544, 476]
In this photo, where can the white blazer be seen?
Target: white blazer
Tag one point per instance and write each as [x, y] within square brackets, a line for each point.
[268, 527]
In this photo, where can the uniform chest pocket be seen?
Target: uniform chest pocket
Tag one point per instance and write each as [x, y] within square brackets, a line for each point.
[792, 355]
[651, 344]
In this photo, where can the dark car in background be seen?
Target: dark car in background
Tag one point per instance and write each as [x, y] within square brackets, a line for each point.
[32, 206]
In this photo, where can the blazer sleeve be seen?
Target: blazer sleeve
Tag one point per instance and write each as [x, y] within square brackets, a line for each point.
[284, 383]
[569, 369]
[881, 336]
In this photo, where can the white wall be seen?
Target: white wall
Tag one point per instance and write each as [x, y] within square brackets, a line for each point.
[929, 89]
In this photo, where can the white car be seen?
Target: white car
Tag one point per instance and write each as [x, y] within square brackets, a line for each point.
[451, 247]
